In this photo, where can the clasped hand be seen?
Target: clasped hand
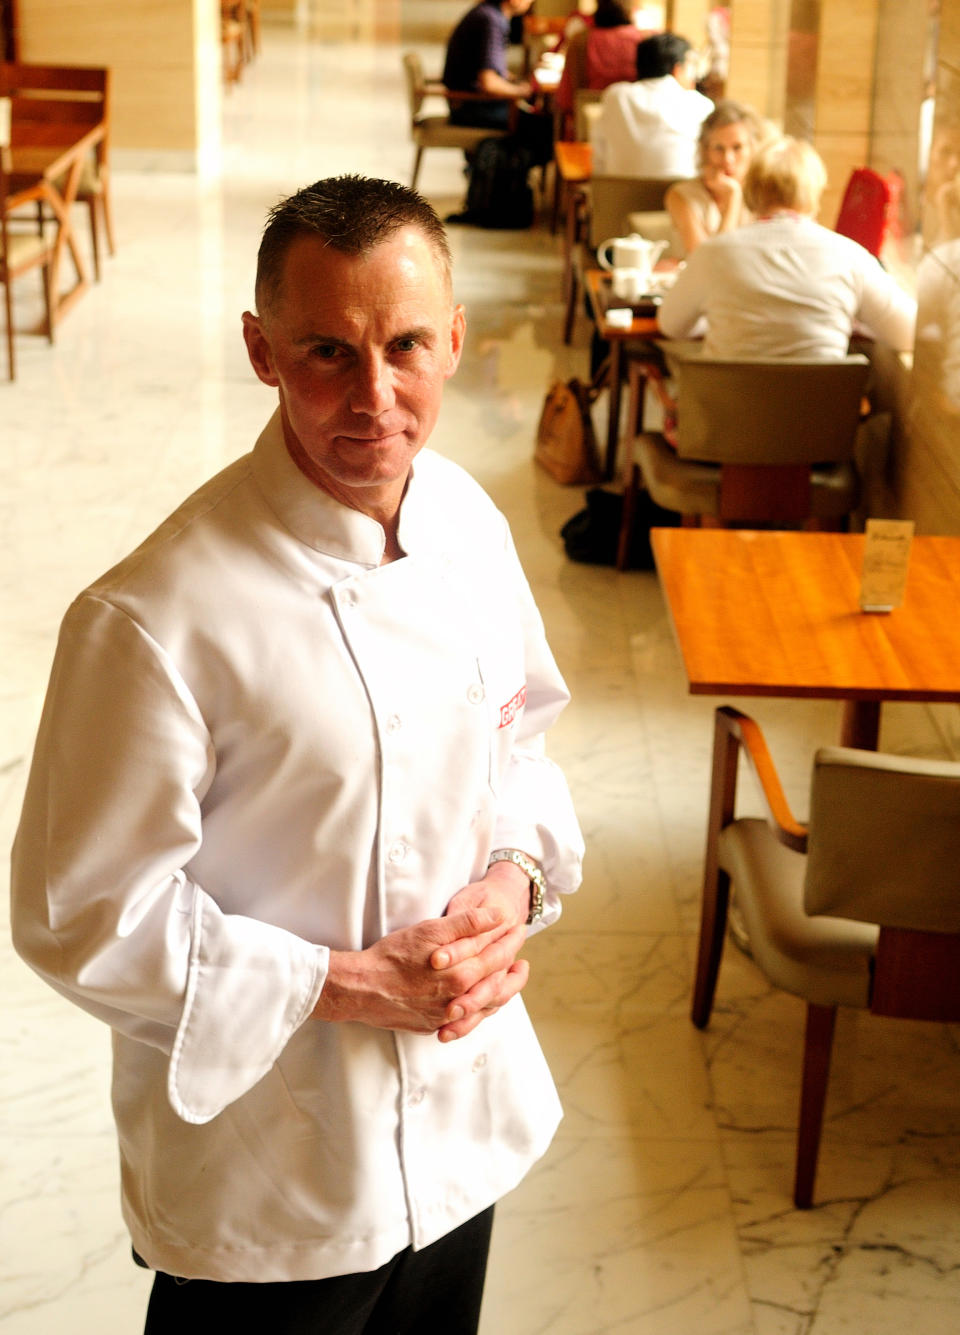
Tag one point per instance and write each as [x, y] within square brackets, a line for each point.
[442, 976]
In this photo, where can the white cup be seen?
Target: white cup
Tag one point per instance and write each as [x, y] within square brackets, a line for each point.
[630, 284]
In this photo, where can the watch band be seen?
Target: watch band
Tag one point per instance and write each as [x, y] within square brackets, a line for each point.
[538, 885]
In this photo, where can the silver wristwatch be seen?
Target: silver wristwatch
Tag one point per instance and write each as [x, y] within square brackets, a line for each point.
[538, 886]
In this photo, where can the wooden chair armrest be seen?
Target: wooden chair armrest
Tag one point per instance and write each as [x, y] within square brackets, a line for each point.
[747, 733]
[433, 88]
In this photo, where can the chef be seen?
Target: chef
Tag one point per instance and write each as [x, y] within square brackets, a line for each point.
[290, 821]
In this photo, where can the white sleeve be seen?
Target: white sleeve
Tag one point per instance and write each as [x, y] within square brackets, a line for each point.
[681, 310]
[535, 812]
[102, 906]
[886, 309]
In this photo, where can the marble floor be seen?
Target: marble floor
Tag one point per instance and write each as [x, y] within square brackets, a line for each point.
[664, 1204]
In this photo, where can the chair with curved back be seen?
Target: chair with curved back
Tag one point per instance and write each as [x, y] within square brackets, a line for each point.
[860, 907]
[436, 131]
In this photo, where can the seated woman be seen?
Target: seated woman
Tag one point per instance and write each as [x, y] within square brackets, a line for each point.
[712, 202]
[784, 286]
[598, 55]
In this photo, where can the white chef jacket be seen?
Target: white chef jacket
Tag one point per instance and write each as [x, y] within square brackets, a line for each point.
[260, 744]
[649, 128]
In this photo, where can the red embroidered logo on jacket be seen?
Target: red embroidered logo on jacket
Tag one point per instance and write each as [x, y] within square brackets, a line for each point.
[511, 709]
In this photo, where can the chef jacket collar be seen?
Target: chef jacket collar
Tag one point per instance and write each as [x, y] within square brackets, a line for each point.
[315, 518]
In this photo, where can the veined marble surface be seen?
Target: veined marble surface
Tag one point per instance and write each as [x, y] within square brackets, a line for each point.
[663, 1207]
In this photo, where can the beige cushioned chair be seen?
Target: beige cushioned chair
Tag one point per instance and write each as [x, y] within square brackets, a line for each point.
[765, 441]
[436, 131]
[859, 908]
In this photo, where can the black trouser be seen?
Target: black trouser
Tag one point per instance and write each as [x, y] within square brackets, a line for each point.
[437, 1289]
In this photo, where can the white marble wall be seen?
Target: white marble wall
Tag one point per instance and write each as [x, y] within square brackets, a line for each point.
[663, 1207]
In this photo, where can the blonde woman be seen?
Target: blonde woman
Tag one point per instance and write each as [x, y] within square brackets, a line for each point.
[712, 201]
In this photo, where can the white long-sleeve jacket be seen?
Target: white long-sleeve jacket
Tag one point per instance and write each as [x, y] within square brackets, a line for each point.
[258, 745]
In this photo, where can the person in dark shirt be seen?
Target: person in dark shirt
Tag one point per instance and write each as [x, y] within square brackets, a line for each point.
[477, 63]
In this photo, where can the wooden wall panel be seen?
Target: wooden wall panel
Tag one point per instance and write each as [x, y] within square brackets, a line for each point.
[165, 56]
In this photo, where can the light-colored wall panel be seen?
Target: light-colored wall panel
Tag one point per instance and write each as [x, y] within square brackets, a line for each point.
[758, 55]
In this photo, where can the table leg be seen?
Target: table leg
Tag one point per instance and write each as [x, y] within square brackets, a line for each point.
[861, 724]
[613, 421]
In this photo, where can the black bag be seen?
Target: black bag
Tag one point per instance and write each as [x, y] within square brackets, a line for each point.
[498, 194]
[591, 536]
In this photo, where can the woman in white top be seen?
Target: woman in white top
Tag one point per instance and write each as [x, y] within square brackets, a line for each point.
[784, 286]
[713, 200]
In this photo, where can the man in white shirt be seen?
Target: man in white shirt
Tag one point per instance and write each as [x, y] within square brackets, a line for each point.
[650, 128]
[289, 822]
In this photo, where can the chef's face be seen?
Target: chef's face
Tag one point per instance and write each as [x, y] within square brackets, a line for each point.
[359, 348]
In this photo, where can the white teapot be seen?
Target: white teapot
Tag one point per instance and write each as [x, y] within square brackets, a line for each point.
[631, 252]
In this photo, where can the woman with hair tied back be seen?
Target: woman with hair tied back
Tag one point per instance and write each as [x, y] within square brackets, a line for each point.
[601, 54]
[712, 201]
[784, 286]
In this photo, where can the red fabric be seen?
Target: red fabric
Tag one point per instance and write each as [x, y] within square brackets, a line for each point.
[612, 55]
[865, 209]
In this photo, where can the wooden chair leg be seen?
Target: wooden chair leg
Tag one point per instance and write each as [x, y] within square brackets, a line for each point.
[630, 494]
[8, 302]
[48, 301]
[106, 210]
[716, 883]
[573, 293]
[817, 1048]
[416, 168]
[94, 235]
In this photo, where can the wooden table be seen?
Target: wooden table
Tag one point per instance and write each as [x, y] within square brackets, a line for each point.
[769, 613]
[52, 173]
[641, 327]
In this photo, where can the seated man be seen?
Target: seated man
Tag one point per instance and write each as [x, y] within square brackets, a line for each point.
[651, 127]
[477, 63]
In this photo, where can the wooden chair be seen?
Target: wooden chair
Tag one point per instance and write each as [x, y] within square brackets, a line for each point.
[234, 37]
[861, 907]
[55, 103]
[606, 206]
[20, 251]
[754, 442]
[251, 28]
[436, 131]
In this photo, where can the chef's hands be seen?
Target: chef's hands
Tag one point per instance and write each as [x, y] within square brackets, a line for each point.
[441, 976]
[504, 889]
